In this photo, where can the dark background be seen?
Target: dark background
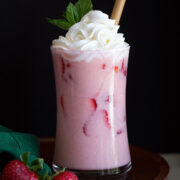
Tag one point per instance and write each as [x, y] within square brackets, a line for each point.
[27, 81]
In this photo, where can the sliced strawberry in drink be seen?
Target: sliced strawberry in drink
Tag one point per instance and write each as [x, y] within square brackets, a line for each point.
[70, 77]
[119, 132]
[62, 103]
[94, 103]
[122, 66]
[63, 66]
[103, 66]
[125, 72]
[85, 129]
[116, 69]
[123, 69]
[68, 65]
[106, 118]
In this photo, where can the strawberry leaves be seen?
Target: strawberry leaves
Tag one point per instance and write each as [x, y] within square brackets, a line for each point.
[36, 166]
[25, 158]
[33, 169]
[73, 14]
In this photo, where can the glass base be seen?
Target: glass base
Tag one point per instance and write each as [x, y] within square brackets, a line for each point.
[120, 171]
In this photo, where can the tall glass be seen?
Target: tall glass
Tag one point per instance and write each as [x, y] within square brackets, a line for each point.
[91, 133]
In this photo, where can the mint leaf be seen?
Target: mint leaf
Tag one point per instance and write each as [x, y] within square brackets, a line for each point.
[83, 7]
[25, 158]
[64, 14]
[37, 165]
[61, 23]
[73, 14]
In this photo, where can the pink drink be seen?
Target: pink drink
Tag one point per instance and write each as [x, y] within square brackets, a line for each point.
[91, 129]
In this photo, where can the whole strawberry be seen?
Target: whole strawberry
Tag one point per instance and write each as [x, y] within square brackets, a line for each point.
[17, 170]
[66, 175]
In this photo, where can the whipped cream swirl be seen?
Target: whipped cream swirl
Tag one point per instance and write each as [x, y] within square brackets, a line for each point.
[95, 31]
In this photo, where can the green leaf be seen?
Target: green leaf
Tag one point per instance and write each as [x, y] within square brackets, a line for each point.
[61, 23]
[37, 165]
[64, 14]
[73, 14]
[25, 158]
[83, 7]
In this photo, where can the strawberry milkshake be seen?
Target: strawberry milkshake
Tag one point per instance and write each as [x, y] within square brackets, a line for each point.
[90, 65]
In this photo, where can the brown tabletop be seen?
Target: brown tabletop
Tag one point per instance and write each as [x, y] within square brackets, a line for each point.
[146, 165]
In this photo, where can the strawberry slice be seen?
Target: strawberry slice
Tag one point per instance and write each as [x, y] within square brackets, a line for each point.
[85, 129]
[103, 66]
[123, 69]
[70, 77]
[125, 72]
[63, 66]
[122, 66]
[119, 132]
[106, 118]
[94, 103]
[116, 69]
[68, 65]
[62, 102]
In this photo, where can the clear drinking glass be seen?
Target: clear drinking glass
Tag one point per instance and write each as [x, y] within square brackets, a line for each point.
[91, 133]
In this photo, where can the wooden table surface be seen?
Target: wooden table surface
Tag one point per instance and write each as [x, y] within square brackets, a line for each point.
[146, 165]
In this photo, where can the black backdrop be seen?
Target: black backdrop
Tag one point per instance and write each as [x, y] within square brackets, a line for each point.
[27, 81]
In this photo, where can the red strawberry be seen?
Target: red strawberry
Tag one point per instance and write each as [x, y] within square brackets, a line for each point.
[123, 69]
[70, 77]
[68, 65]
[94, 103]
[67, 175]
[85, 129]
[63, 66]
[106, 118]
[122, 66]
[119, 132]
[116, 69]
[16, 170]
[103, 66]
[125, 72]
[62, 103]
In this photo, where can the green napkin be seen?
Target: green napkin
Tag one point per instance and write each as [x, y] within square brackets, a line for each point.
[12, 144]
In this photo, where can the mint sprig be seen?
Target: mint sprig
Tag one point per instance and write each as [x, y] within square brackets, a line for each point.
[73, 14]
[83, 7]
